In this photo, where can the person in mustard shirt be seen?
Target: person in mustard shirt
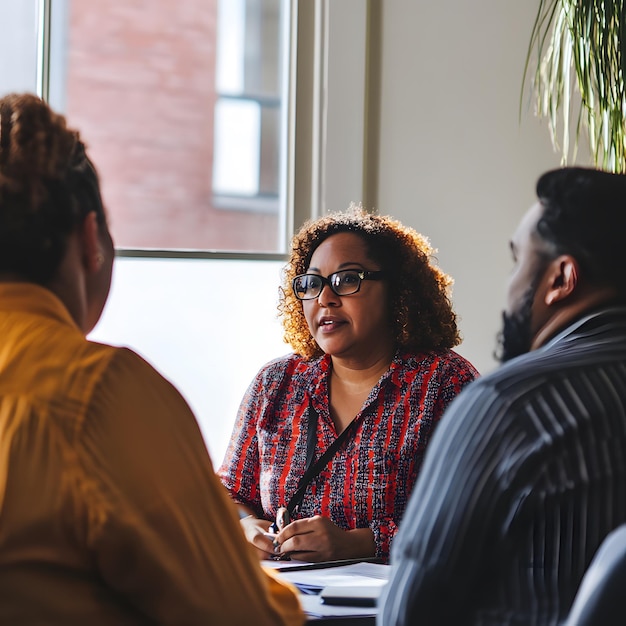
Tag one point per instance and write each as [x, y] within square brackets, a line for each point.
[110, 511]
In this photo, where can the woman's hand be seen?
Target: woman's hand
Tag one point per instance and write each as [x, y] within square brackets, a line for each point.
[257, 533]
[318, 539]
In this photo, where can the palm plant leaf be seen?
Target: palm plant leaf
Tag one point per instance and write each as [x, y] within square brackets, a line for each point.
[579, 63]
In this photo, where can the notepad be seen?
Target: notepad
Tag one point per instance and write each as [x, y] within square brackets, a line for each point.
[346, 595]
[355, 575]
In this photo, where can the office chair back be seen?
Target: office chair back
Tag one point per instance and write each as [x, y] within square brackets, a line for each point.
[601, 597]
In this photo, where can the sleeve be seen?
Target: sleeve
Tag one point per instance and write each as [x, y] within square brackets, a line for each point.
[450, 524]
[384, 530]
[240, 469]
[162, 530]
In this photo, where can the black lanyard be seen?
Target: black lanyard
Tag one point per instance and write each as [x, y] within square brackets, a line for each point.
[313, 469]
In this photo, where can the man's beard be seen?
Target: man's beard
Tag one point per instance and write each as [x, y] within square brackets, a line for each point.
[515, 338]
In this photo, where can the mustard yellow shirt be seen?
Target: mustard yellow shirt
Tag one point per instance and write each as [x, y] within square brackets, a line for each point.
[110, 512]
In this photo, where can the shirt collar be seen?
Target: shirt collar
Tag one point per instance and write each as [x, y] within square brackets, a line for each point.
[34, 299]
[617, 311]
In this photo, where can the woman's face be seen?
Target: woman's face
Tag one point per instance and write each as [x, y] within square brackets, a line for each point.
[355, 327]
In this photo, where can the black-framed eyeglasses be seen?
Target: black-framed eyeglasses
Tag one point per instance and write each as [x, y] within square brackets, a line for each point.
[343, 283]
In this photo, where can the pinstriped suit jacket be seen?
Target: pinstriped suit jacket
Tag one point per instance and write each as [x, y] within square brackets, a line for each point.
[524, 477]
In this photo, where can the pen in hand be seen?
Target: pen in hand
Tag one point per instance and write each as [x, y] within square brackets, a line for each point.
[282, 519]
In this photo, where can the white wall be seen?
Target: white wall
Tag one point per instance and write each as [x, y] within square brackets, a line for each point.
[456, 162]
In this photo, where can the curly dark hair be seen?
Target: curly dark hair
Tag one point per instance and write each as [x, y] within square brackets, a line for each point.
[420, 308]
[47, 186]
[584, 215]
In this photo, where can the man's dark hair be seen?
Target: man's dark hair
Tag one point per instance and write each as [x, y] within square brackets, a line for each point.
[584, 215]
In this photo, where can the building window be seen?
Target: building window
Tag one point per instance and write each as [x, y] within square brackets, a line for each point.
[249, 110]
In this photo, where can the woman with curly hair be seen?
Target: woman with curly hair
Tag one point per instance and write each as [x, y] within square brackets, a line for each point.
[329, 440]
[111, 511]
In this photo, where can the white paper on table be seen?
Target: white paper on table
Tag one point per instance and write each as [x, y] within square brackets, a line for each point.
[358, 574]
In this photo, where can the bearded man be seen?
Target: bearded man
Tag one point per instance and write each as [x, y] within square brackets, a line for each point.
[526, 472]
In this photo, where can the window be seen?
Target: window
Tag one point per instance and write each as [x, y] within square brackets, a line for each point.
[183, 103]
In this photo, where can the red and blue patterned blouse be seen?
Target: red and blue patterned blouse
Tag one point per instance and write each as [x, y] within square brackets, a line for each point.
[368, 482]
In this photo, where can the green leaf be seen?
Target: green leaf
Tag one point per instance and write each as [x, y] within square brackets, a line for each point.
[577, 47]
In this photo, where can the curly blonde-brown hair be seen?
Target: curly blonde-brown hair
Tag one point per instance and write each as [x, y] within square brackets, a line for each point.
[47, 186]
[420, 309]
